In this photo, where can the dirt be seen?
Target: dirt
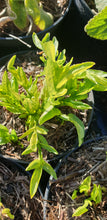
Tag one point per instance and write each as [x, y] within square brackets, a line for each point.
[88, 160]
[14, 194]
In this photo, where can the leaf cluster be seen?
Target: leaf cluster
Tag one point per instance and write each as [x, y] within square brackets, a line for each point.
[64, 84]
[93, 195]
[5, 212]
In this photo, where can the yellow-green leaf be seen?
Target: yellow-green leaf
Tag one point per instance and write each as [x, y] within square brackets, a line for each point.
[97, 26]
[44, 144]
[35, 179]
[48, 114]
[34, 141]
[78, 124]
[35, 164]
[48, 168]
[18, 9]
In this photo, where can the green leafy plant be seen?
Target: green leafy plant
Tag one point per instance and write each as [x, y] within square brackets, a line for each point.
[97, 26]
[6, 137]
[5, 212]
[93, 195]
[64, 84]
[24, 12]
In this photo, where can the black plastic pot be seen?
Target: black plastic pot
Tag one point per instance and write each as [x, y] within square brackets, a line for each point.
[55, 159]
[3, 62]
[101, 110]
[14, 164]
[77, 43]
[11, 44]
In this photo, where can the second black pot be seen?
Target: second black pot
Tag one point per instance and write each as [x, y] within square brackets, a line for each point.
[75, 40]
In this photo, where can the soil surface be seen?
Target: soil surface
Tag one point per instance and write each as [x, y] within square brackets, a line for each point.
[88, 160]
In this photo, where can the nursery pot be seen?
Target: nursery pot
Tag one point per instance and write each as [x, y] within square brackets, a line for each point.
[11, 44]
[54, 159]
[77, 43]
[90, 100]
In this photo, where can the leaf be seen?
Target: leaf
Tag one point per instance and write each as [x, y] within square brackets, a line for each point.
[6, 83]
[61, 57]
[3, 128]
[75, 104]
[4, 139]
[74, 194]
[85, 185]
[97, 26]
[11, 63]
[27, 150]
[33, 90]
[96, 194]
[35, 164]
[60, 93]
[49, 50]
[14, 85]
[52, 73]
[7, 212]
[98, 78]
[48, 168]
[23, 81]
[78, 124]
[27, 132]
[30, 105]
[46, 38]
[55, 41]
[82, 209]
[34, 141]
[18, 73]
[75, 71]
[14, 109]
[4, 135]
[41, 18]
[13, 136]
[18, 9]
[35, 179]
[48, 114]
[44, 144]
[100, 4]
[41, 130]
[36, 41]
[46, 19]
